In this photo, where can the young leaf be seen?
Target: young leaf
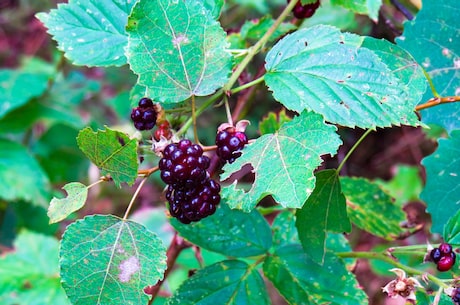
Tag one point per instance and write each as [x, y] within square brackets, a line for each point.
[255, 29]
[17, 87]
[227, 283]
[370, 209]
[273, 121]
[106, 260]
[451, 232]
[21, 176]
[91, 33]
[230, 232]
[365, 7]
[302, 281]
[28, 275]
[59, 209]
[331, 73]
[443, 181]
[112, 151]
[432, 39]
[177, 49]
[325, 211]
[283, 163]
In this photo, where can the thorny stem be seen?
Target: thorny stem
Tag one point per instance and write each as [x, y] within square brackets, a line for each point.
[256, 48]
[353, 149]
[438, 101]
[131, 203]
[385, 258]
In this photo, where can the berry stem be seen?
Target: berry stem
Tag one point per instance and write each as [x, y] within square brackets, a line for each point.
[353, 149]
[435, 101]
[131, 203]
[248, 85]
[147, 172]
[195, 131]
[430, 82]
[96, 183]
[227, 110]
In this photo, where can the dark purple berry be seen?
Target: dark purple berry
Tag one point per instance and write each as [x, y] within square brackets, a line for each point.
[229, 144]
[435, 255]
[456, 296]
[144, 117]
[445, 263]
[145, 103]
[445, 248]
[305, 11]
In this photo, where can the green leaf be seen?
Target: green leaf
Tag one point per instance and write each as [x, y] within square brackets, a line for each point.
[443, 181]
[284, 230]
[177, 49]
[113, 152]
[283, 163]
[21, 176]
[302, 281]
[432, 39]
[273, 121]
[451, 232]
[91, 33]
[255, 29]
[18, 87]
[230, 232]
[331, 73]
[366, 7]
[30, 274]
[106, 260]
[59, 209]
[214, 6]
[370, 209]
[227, 282]
[325, 211]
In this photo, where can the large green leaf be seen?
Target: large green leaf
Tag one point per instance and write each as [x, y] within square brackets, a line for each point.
[112, 151]
[59, 209]
[30, 274]
[227, 283]
[333, 73]
[230, 232]
[106, 260]
[90, 32]
[325, 211]
[20, 175]
[302, 281]
[177, 49]
[283, 163]
[18, 87]
[371, 209]
[366, 7]
[442, 188]
[432, 38]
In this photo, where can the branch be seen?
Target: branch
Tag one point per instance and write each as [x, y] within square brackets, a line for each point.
[438, 101]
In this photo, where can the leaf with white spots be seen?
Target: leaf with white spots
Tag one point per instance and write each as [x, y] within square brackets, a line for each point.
[433, 38]
[337, 75]
[302, 281]
[225, 283]
[442, 189]
[283, 163]
[106, 260]
[90, 32]
[177, 49]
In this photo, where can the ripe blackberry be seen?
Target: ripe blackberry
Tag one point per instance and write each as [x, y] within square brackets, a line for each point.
[183, 165]
[435, 255]
[445, 248]
[144, 117]
[305, 11]
[229, 144]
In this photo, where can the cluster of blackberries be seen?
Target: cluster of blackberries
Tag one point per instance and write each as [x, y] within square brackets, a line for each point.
[456, 296]
[229, 143]
[305, 11]
[191, 194]
[144, 117]
[443, 256]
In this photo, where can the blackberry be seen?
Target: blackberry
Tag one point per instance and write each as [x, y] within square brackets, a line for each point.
[456, 296]
[144, 116]
[305, 11]
[163, 130]
[435, 255]
[446, 262]
[183, 165]
[229, 144]
[445, 248]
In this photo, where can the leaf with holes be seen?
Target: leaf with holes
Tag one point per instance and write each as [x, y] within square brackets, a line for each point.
[90, 33]
[283, 163]
[177, 49]
[59, 209]
[113, 152]
[432, 39]
[228, 282]
[442, 187]
[370, 209]
[325, 211]
[332, 73]
[107, 260]
[364, 7]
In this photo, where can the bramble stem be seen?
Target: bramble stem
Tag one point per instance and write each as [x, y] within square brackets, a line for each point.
[248, 85]
[147, 172]
[438, 101]
[195, 131]
[430, 82]
[227, 110]
[353, 149]
[131, 203]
